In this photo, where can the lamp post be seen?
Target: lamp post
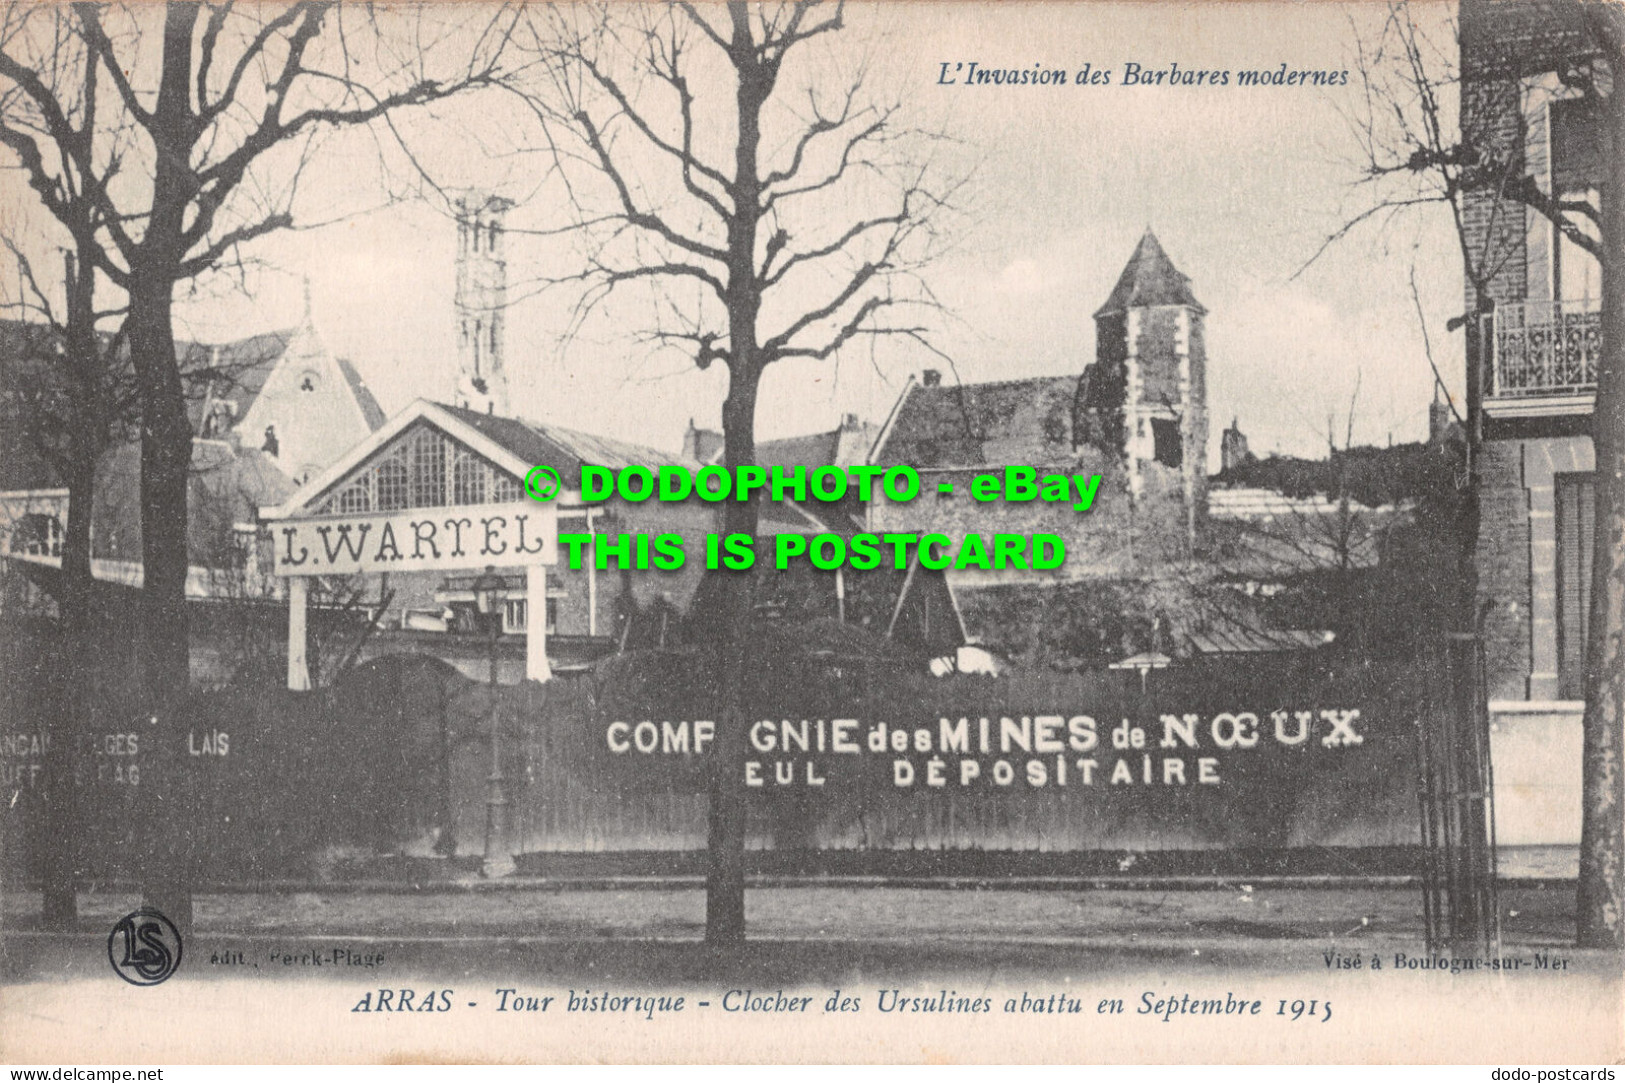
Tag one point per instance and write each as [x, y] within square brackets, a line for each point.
[489, 594]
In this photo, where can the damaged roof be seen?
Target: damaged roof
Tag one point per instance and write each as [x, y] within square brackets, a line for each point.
[972, 424]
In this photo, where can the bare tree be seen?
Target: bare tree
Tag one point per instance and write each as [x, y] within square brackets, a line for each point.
[772, 211]
[71, 398]
[71, 386]
[1417, 150]
[217, 109]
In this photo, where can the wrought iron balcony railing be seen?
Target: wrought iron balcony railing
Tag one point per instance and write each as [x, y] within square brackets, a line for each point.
[1544, 349]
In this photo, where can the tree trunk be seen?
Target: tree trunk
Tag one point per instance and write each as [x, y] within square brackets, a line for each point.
[1601, 902]
[728, 811]
[727, 808]
[165, 661]
[60, 831]
[166, 456]
[75, 601]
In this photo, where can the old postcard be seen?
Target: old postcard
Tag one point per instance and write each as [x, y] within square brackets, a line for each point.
[814, 532]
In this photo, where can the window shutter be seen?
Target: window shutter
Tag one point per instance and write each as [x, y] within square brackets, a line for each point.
[1576, 520]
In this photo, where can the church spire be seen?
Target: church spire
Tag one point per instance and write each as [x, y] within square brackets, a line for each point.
[1149, 278]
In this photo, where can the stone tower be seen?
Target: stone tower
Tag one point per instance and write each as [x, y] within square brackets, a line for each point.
[481, 304]
[1233, 450]
[1145, 397]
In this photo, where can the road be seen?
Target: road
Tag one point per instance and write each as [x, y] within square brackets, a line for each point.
[298, 975]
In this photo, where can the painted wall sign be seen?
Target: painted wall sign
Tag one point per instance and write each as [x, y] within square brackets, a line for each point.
[963, 751]
[419, 539]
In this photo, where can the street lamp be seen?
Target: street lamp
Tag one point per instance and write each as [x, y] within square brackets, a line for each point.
[489, 594]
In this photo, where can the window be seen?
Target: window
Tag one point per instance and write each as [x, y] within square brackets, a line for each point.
[307, 381]
[1170, 449]
[392, 484]
[516, 611]
[426, 456]
[412, 473]
[356, 497]
[218, 421]
[37, 535]
[245, 546]
[1576, 519]
[504, 489]
[468, 480]
[514, 614]
[1576, 130]
[1577, 272]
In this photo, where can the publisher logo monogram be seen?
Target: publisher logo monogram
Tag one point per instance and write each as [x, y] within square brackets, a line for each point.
[144, 947]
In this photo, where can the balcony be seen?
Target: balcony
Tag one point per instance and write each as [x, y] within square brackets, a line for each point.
[1543, 358]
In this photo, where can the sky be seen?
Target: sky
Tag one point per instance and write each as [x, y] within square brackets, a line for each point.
[1240, 185]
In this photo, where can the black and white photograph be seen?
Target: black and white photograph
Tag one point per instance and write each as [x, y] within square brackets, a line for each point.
[812, 532]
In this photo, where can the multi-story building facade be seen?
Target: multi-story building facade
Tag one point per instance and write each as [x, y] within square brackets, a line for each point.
[1536, 291]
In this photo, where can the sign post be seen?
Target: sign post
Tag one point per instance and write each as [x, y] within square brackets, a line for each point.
[536, 664]
[453, 538]
[298, 664]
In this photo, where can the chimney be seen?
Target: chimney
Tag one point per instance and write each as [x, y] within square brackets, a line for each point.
[931, 378]
[850, 423]
[701, 444]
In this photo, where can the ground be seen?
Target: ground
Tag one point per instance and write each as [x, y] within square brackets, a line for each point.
[1238, 915]
[261, 968]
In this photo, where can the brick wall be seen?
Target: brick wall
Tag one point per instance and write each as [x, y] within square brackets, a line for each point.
[1503, 568]
[1495, 228]
[1517, 560]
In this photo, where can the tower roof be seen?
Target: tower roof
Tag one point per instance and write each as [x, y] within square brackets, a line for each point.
[1150, 278]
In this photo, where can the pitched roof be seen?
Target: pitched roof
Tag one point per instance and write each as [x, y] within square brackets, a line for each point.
[846, 446]
[225, 486]
[813, 449]
[563, 449]
[237, 371]
[32, 394]
[233, 371]
[972, 424]
[1259, 533]
[363, 394]
[1241, 640]
[1149, 278]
